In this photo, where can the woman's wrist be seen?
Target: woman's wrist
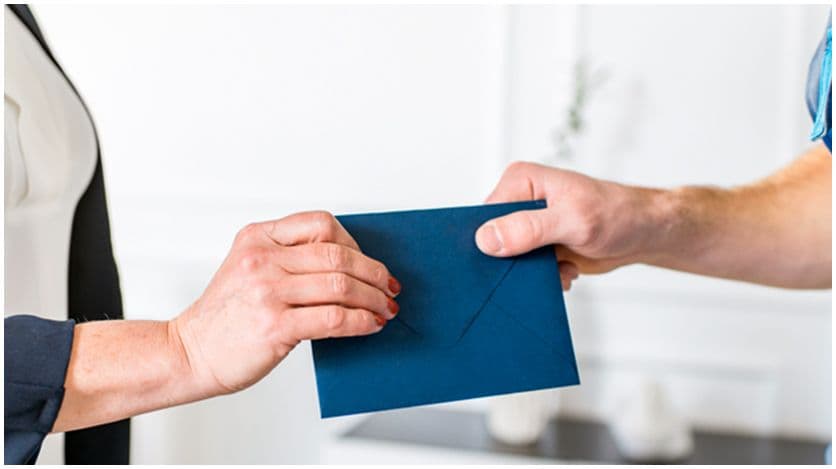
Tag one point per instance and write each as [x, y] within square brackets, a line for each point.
[118, 369]
[196, 379]
[183, 366]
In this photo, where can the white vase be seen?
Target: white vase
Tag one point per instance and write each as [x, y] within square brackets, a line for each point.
[518, 419]
[646, 427]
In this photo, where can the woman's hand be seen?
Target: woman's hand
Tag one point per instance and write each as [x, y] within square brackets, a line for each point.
[301, 277]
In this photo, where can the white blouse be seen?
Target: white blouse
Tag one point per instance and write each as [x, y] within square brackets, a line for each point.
[50, 152]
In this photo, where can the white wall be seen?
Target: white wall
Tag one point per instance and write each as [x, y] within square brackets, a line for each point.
[707, 95]
[210, 117]
[693, 95]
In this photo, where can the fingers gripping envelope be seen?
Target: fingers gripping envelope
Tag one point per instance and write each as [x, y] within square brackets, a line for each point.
[469, 325]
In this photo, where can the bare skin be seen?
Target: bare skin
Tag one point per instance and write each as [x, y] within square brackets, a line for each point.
[301, 277]
[776, 231]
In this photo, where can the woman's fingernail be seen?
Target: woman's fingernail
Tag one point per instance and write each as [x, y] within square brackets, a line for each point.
[488, 239]
[393, 307]
[394, 285]
[379, 320]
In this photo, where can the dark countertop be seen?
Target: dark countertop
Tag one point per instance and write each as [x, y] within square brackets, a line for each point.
[572, 440]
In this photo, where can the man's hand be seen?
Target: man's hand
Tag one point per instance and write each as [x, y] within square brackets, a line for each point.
[301, 277]
[595, 225]
[776, 231]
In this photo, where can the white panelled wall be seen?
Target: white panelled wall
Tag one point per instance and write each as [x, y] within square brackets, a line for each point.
[706, 95]
[214, 116]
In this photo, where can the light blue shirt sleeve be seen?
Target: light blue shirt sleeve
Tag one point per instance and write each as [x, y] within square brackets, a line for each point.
[819, 85]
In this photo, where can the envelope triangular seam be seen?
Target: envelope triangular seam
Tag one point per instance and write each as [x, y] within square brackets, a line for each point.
[486, 301]
[406, 326]
[548, 345]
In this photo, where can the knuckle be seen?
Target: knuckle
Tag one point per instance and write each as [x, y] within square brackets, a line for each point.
[324, 222]
[517, 167]
[340, 284]
[262, 292]
[380, 275]
[335, 318]
[337, 257]
[533, 228]
[248, 232]
[520, 231]
[269, 322]
[250, 261]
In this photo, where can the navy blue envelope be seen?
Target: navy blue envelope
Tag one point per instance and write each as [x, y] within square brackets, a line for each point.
[470, 325]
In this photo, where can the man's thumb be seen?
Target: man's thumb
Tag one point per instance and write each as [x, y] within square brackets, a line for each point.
[514, 234]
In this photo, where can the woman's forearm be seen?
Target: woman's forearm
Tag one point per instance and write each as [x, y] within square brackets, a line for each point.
[775, 232]
[118, 369]
[284, 281]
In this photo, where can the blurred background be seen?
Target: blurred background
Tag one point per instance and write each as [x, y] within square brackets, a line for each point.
[210, 117]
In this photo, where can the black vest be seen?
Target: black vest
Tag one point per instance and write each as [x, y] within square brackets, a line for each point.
[93, 291]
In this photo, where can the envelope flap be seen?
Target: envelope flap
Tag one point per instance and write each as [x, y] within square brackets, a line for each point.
[446, 279]
[470, 325]
[512, 297]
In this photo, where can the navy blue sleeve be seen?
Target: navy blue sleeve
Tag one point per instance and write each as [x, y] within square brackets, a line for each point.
[36, 354]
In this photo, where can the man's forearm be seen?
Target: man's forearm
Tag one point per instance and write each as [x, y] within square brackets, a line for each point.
[118, 369]
[774, 232]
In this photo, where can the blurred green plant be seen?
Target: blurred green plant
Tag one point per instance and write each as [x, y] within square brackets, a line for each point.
[585, 81]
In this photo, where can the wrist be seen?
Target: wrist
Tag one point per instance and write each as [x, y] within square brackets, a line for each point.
[119, 369]
[683, 224]
[182, 348]
[181, 363]
[660, 219]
